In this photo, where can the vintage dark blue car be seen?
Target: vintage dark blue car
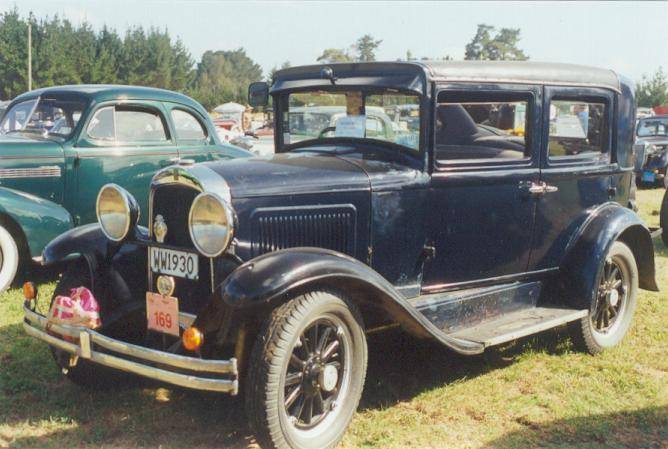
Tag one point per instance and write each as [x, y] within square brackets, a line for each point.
[494, 203]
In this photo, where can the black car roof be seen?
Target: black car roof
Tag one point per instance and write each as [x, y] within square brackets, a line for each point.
[528, 72]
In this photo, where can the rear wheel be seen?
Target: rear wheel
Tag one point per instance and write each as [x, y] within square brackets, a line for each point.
[612, 310]
[663, 215]
[306, 372]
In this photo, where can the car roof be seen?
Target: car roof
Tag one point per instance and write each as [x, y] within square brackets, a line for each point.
[525, 72]
[109, 92]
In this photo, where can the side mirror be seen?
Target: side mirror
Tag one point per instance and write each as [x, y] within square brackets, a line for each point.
[258, 94]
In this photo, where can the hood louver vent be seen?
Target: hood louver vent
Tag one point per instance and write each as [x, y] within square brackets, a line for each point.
[330, 227]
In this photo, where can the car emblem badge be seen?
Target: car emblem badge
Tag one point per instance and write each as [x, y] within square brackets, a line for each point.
[160, 228]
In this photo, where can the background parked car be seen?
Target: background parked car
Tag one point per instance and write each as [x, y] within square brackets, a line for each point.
[59, 145]
[651, 149]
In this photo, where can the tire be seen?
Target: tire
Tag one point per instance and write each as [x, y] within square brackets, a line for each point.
[330, 380]
[610, 313]
[663, 218]
[83, 373]
[9, 259]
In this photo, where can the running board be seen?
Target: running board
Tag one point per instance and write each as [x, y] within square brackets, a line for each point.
[518, 324]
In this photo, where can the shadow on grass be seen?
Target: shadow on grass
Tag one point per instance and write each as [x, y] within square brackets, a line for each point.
[401, 367]
[645, 428]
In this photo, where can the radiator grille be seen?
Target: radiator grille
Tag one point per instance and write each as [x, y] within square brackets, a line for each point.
[332, 228]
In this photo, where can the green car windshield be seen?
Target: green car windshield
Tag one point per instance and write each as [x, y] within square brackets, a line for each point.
[45, 116]
[387, 116]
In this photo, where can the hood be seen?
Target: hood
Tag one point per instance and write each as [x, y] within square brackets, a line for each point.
[285, 174]
[16, 146]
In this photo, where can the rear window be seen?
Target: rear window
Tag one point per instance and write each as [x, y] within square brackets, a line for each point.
[577, 128]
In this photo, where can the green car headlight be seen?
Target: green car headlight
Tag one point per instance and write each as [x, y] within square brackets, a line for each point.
[211, 224]
[117, 212]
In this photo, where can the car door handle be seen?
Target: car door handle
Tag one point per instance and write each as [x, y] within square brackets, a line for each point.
[170, 161]
[537, 188]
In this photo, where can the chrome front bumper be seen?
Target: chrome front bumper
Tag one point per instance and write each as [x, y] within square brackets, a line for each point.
[134, 359]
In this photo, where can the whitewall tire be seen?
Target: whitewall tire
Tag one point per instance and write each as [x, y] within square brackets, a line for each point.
[9, 259]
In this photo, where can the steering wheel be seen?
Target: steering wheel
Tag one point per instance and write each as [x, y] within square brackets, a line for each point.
[329, 129]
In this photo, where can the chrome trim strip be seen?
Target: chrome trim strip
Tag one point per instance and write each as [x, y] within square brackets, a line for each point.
[35, 324]
[45, 171]
[529, 275]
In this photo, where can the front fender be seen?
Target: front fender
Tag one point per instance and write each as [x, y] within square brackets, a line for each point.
[40, 220]
[269, 280]
[582, 265]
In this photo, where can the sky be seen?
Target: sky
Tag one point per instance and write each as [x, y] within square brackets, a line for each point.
[628, 37]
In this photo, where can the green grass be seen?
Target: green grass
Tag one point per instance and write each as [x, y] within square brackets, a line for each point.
[538, 393]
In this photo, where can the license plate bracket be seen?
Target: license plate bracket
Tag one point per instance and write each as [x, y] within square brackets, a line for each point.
[162, 313]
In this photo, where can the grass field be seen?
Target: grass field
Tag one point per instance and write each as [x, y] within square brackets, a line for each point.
[537, 394]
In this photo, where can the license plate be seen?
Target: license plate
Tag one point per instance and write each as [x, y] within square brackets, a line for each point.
[648, 176]
[175, 263]
[162, 313]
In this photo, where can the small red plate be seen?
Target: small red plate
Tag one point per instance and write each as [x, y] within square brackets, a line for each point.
[162, 313]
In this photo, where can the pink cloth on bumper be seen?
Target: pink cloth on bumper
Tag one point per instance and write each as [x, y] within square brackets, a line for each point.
[78, 309]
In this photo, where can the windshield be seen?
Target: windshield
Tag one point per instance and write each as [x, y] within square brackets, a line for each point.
[46, 116]
[653, 127]
[387, 116]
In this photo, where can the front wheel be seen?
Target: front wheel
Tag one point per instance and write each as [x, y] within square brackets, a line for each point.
[611, 312]
[9, 259]
[306, 372]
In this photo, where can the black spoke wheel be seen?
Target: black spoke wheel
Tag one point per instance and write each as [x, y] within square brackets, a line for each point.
[316, 371]
[612, 308]
[306, 372]
[612, 296]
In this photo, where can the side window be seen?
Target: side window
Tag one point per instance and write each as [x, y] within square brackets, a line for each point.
[577, 128]
[481, 126]
[101, 126]
[374, 127]
[186, 126]
[139, 125]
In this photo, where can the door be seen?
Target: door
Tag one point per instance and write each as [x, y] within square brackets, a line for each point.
[192, 136]
[124, 144]
[576, 166]
[485, 165]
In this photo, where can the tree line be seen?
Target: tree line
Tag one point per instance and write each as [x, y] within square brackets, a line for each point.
[64, 53]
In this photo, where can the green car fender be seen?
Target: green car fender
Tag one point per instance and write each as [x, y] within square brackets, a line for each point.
[36, 220]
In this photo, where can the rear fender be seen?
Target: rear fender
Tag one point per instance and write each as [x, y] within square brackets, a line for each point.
[582, 266]
[268, 281]
[38, 220]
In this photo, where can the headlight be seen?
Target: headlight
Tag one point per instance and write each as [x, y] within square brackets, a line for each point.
[117, 211]
[651, 149]
[211, 224]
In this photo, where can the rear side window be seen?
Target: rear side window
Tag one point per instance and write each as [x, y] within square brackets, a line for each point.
[136, 125]
[577, 128]
[186, 126]
[125, 124]
[481, 126]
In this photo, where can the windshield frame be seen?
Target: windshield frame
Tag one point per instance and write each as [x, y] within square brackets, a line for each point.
[281, 99]
[82, 99]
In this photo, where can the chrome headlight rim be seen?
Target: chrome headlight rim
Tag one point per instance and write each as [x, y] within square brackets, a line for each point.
[131, 211]
[229, 217]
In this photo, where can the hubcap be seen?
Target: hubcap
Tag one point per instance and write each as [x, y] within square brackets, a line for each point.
[611, 298]
[314, 376]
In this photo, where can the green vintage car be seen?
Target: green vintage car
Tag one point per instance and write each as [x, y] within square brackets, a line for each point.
[59, 145]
